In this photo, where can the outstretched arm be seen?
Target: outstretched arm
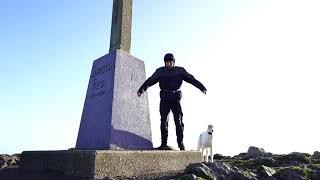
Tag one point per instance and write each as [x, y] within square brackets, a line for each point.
[149, 82]
[190, 79]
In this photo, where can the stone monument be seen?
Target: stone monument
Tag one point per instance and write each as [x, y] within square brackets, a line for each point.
[113, 116]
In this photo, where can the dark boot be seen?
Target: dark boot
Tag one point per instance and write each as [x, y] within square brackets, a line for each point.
[164, 147]
[181, 147]
[164, 139]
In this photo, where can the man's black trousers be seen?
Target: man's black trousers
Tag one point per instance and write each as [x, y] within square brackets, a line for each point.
[175, 107]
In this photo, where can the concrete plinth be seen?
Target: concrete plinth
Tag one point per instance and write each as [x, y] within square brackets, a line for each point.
[101, 164]
[114, 117]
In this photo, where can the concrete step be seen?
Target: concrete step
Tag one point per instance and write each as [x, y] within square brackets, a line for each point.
[97, 164]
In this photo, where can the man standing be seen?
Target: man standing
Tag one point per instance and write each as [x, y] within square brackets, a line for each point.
[170, 78]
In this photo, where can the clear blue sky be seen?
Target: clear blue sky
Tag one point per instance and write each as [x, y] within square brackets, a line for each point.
[259, 60]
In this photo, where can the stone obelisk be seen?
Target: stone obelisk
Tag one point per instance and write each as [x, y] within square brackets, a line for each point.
[113, 116]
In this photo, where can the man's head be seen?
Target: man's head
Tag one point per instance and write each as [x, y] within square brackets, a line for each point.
[169, 60]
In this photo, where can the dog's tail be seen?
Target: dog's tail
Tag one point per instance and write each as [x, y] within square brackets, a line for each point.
[199, 142]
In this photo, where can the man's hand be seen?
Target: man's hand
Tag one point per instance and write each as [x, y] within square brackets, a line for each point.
[139, 93]
[204, 91]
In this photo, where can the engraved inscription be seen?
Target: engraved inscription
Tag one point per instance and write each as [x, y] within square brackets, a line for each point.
[99, 86]
[100, 93]
[101, 70]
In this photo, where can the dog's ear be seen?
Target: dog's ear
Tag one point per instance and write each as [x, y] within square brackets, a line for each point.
[210, 126]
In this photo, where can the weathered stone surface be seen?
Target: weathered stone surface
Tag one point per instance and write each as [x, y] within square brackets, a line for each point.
[188, 177]
[289, 174]
[243, 175]
[315, 175]
[241, 156]
[266, 161]
[222, 170]
[9, 160]
[76, 163]
[292, 159]
[101, 164]
[218, 156]
[315, 158]
[132, 163]
[114, 117]
[265, 171]
[201, 170]
[316, 155]
[300, 157]
[226, 171]
[314, 166]
[255, 152]
[121, 25]
[268, 178]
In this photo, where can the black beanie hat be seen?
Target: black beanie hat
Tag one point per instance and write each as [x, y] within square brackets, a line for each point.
[169, 57]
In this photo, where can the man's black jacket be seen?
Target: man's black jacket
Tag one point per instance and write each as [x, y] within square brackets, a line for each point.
[170, 79]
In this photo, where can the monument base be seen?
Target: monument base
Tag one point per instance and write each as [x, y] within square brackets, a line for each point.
[100, 164]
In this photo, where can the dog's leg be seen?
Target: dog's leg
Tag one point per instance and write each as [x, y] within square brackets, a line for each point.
[206, 152]
[203, 155]
[211, 157]
[199, 142]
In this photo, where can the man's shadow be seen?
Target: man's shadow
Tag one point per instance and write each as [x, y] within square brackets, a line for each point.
[127, 140]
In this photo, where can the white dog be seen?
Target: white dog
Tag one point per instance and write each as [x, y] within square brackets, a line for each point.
[205, 144]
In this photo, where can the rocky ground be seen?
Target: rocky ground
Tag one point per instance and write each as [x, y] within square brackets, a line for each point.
[257, 164]
[7, 161]
[254, 164]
